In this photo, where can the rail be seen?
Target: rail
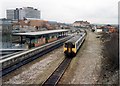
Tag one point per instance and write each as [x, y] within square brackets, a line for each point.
[6, 56]
[15, 62]
[34, 51]
[54, 78]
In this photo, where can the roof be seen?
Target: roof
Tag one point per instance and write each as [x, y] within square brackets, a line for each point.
[39, 33]
[75, 38]
[81, 22]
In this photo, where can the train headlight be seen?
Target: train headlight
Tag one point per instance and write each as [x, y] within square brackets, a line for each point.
[69, 50]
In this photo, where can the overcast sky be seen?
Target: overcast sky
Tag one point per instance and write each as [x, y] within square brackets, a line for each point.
[68, 11]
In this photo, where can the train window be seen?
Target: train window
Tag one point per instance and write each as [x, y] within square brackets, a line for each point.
[65, 44]
[73, 46]
[76, 44]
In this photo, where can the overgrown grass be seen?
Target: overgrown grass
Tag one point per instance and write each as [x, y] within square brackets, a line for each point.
[110, 61]
[111, 49]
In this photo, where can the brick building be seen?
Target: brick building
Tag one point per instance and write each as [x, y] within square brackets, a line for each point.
[81, 24]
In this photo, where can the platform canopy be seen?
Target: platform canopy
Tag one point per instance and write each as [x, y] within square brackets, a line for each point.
[40, 32]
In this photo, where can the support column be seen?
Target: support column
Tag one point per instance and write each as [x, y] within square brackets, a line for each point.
[21, 39]
[30, 43]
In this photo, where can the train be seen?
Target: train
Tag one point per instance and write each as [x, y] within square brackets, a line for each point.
[72, 46]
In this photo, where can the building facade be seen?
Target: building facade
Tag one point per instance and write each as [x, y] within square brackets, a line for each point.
[81, 24]
[5, 33]
[10, 14]
[22, 13]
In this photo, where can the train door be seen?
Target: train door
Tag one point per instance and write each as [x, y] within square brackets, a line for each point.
[69, 47]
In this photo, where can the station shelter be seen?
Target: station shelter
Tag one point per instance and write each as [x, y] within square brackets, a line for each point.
[35, 39]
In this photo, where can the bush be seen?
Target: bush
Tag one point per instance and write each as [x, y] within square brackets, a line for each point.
[111, 49]
[110, 62]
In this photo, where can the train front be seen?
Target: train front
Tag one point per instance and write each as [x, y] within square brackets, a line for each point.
[69, 49]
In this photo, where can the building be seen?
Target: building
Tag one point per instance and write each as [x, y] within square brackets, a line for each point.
[10, 14]
[5, 26]
[110, 29]
[106, 29]
[99, 30]
[81, 24]
[32, 25]
[22, 13]
[5, 32]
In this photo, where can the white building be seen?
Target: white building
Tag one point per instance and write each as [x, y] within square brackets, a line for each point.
[21, 13]
[99, 30]
[29, 12]
[10, 14]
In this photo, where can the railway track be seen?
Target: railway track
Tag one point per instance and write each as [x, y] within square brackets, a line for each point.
[14, 62]
[25, 61]
[55, 77]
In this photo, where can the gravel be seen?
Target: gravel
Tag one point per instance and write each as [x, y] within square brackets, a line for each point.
[86, 66]
[37, 68]
[89, 63]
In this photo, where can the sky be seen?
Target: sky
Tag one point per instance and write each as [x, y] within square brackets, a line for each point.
[68, 11]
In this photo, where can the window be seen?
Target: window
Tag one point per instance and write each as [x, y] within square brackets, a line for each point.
[73, 46]
[66, 45]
